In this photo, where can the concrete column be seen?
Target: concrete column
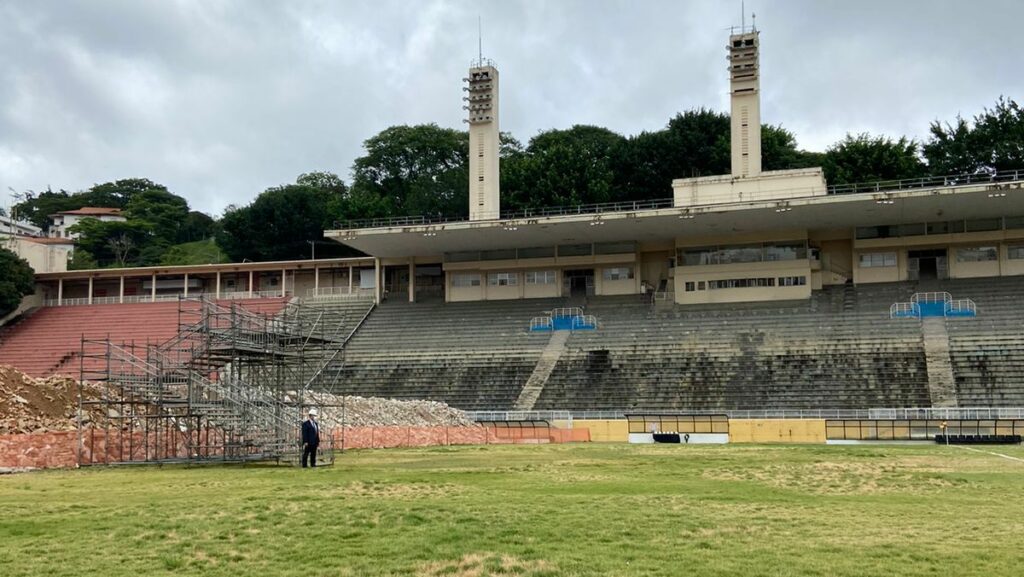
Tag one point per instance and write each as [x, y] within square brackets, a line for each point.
[284, 282]
[90, 290]
[60, 291]
[350, 269]
[218, 284]
[120, 296]
[447, 286]
[376, 280]
[186, 285]
[250, 284]
[316, 280]
[152, 290]
[412, 281]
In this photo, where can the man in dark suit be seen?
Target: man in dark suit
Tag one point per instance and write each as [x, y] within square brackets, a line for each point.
[310, 439]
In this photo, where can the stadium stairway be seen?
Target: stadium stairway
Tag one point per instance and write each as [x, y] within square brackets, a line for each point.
[48, 341]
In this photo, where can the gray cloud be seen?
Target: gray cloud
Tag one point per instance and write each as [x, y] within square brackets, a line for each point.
[222, 99]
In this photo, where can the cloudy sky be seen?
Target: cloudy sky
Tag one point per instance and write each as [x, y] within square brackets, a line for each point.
[219, 100]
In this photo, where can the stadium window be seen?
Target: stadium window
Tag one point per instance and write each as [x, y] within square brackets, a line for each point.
[984, 224]
[977, 254]
[701, 285]
[690, 287]
[741, 254]
[465, 256]
[698, 256]
[1015, 252]
[503, 279]
[792, 281]
[915, 229]
[937, 228]
[732, 283]
[575, 250]
[790, 250]
[615, 248]
[877, 259]
[464, 279]
[1012, 222]
[536, 252]
[503, 254]
[540, 277]
[618, 273]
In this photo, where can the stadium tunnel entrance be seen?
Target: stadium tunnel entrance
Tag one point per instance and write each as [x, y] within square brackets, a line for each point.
[578, 283]
[930, 264]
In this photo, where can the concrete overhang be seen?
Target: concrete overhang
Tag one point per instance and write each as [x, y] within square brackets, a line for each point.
[983, 200]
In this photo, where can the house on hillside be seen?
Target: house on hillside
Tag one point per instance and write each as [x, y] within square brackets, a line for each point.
[62, 221]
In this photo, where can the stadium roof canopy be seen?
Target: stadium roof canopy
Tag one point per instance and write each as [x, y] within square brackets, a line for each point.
[660, 221]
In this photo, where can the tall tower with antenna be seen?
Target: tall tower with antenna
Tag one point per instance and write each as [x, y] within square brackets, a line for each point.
[482, 103]
[745, 90]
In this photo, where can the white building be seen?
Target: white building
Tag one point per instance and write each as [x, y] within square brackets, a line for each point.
[62, 221]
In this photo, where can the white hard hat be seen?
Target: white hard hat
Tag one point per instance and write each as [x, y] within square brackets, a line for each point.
[313, 412]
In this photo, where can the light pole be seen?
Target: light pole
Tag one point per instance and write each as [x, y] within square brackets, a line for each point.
[312, 243]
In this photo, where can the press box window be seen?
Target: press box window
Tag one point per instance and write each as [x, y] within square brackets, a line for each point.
[461, 280]
[1015, 252]
[619, 273]
[503, 279]
[690, 287]
[877, 259]
[540, 277]
[792, 280]
[977, 254]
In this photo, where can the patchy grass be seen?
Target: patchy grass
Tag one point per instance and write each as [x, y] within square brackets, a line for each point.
[531, 511]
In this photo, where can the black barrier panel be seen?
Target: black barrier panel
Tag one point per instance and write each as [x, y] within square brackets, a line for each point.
[917, 429]
[677, 423]
[978, 439]
[666, 437]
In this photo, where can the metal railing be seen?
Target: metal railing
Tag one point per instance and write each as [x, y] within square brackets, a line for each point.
[339, 292]
[1004, 176]
[541, 324]
[136, 299]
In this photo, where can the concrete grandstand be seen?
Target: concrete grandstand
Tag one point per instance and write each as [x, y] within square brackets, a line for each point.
[749, 291]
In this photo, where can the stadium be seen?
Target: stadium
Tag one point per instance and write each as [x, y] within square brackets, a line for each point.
[683, 363]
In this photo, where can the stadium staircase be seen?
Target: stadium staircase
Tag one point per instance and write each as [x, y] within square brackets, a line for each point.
[941, 382]
[542, 371]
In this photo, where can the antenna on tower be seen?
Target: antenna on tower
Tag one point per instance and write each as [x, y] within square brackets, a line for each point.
[743, 17]
[480, 36]
[753, 22]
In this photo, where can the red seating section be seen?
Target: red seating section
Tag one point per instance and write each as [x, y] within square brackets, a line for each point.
[47, 342]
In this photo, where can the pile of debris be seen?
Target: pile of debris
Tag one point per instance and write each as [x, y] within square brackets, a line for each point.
[375, 412]
[30, 405]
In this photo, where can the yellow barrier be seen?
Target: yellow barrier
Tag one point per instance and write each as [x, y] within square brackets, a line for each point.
[776, 430]
[740, 430]
[604, 431]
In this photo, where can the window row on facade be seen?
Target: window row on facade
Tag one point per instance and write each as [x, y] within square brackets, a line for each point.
[743, 253]
[733, 283]
[531, 277]
[941, 227]
[562, 250]
[982, 253]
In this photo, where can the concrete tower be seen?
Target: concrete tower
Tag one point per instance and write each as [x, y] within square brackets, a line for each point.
[482, 104]
[745, 87]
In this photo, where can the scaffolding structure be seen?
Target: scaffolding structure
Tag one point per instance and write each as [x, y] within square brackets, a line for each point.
[231, 385]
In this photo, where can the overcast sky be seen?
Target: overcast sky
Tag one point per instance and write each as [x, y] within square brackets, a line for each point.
[219, 100]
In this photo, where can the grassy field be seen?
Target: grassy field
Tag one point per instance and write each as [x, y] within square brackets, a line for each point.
[532, 511]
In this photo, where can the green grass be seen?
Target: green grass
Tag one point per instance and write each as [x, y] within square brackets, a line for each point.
[194, 253]
[532, 511]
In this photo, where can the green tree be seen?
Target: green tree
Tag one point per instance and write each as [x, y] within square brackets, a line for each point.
[419, 169]
[865, 158]
[563, 168]
[162, 212]
[197, 226]
[114, 243]
[993, 141]
[277, 225]
[16, 281]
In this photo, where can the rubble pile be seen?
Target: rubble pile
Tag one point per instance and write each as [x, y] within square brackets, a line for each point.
[375, 412]
[31, 405]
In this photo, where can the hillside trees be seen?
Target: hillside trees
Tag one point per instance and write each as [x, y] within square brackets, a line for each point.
[16, 281]
[994, 140]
